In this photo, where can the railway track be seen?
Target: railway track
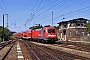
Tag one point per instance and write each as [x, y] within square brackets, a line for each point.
[76, 46]
[5, 49]
[3, 44]
[38, 52]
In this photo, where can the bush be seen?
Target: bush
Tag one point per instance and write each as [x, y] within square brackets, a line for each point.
[0, 40]
[11, 37]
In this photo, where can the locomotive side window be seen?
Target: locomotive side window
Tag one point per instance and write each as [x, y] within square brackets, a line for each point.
[51, 30]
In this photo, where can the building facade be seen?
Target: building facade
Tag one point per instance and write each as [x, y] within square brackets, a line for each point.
[72, 29]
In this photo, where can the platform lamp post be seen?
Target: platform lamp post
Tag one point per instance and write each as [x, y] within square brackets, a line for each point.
[7, 25]
[3, 24]
[3, 27]
[7, 20]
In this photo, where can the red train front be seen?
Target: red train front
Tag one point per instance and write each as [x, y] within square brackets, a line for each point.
[49, 33]
[46, 34]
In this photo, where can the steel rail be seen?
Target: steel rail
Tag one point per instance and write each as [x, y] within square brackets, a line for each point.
[50, 54]
[28, 47]
[47, 53]
[8, 50]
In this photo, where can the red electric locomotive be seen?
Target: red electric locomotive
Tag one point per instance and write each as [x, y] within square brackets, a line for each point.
[46, 34]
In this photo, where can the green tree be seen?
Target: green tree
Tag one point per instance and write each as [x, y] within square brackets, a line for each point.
[57, 27]
[6, 33]
[36, 27]
[88, 27]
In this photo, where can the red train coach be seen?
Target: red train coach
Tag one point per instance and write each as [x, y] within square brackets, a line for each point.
[29, 34]
[15, 35]
[23, 34]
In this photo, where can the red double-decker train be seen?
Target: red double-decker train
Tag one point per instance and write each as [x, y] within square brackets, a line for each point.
[45, 34]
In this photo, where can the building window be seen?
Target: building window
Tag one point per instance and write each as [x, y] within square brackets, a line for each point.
[82, 34]
[78, 23]
[70, 24]
[82, 23]
[70, 33]
[76, 32]
[64, 25]
[59, 24]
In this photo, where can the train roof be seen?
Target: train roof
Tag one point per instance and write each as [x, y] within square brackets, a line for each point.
[50, 27]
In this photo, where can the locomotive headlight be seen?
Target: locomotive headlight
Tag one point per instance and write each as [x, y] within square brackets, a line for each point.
[51, 35]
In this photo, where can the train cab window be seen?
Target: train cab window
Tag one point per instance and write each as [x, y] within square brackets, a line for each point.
[51, 30]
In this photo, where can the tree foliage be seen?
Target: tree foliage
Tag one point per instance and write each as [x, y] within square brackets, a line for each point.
[57, 27]
[6, 33]
[36, 27]
[88, 27]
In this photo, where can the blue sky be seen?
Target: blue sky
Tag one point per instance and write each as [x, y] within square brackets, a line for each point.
[23, 14]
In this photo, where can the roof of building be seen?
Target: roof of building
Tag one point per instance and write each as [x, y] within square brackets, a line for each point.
[73, 20]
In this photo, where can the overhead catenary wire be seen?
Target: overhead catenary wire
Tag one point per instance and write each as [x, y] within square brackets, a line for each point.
[62, 15]
[47, 5]
[4, 5]
[2, 10]
[72, 12]
[68, 7]
[49, 9]
[36, 10]
[23, 16]
[31, 10]
[33, 14]
[86, 14]
[62, 5]
[68, 13]
[78, 13]
[8, 17]
[88, 8]
[38, 6]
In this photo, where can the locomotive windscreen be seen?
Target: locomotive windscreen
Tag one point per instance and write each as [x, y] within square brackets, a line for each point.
[51, 30]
